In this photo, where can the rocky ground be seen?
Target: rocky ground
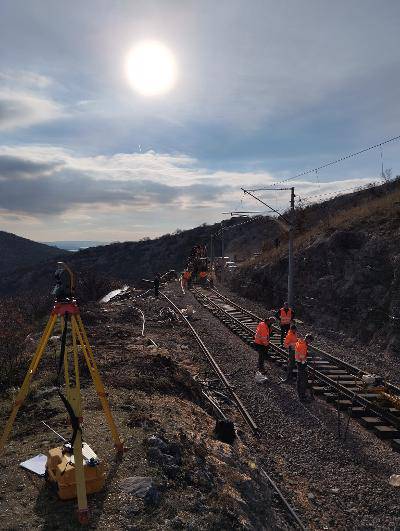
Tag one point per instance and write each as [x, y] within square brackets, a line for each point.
[192, 479]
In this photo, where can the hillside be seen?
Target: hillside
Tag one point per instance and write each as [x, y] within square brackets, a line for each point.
[347, 267]
[132, 261]
[17, 252]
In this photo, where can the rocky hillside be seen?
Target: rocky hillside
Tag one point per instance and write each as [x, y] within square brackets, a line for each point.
[17, 252]
[347, 266]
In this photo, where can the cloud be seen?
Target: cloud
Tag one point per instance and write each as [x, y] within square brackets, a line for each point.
[24, 101]
[25, 78]
[22, 109]
[61, 181]
[46, 180]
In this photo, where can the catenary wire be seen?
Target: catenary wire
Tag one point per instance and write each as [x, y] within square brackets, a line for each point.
[341, 159]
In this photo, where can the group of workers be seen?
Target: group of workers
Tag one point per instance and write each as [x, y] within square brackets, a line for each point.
[297, 347]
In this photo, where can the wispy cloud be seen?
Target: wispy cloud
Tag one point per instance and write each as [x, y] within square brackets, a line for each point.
[24, 101]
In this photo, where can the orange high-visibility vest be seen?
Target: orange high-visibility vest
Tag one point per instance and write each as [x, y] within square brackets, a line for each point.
[186, 275]
[262, 334]
[203, 274]
[285, 316]
[290, 339]
[301, 350]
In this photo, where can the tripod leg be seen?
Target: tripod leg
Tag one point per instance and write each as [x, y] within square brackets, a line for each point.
[101, 393]
[29, 375]
[74, 398]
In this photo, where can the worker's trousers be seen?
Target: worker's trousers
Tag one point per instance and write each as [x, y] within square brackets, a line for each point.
[291, 365]
[284, 331]
[262, 355]
[301, 379]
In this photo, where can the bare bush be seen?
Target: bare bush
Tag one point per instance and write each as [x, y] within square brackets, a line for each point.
[92, 286]
[14, 330]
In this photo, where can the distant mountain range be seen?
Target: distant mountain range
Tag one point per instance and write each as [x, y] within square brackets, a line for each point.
[75, 245]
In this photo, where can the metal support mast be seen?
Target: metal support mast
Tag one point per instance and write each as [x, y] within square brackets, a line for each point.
[291, 255]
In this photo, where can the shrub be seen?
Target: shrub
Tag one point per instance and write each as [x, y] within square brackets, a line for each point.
[14, 330]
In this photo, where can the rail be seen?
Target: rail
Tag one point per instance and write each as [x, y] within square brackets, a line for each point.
[245, 414]
[290, 510]
[330, 382]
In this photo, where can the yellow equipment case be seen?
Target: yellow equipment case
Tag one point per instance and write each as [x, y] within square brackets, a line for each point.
[61, 470]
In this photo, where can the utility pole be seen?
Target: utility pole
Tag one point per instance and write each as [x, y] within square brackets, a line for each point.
[291, 257]
[222, 241]
[212, 250]
[222, 253]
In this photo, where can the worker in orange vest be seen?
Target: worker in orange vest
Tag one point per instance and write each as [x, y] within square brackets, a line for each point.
[301, 354]
[185, 278]
[261, 340]
[290, 343]
[285, 316]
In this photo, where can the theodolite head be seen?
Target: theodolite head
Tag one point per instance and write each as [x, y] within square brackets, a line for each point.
[65, 283]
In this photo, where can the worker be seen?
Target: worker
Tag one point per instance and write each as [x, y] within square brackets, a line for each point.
[285, 316]
[202, 277]
[290, 343]
[301, 354]
[185, 278]
[156, 283]
[261, 340]
[189, 281]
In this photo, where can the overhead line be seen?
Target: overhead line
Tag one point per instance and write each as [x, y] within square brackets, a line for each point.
[341, 159]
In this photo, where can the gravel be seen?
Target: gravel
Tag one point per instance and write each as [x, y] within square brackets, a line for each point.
[372, 358]
[332, 483]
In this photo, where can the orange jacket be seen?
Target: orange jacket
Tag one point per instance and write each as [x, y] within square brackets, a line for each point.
[290, 339]
[285, 316]
[203, 274]
[262, 334]
[301, 350]
[187, 275]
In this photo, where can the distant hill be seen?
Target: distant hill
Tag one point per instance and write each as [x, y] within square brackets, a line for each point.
[132, 261]
[75, 245]
[17, 252]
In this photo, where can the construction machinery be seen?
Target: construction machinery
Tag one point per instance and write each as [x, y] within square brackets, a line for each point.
[198, 265]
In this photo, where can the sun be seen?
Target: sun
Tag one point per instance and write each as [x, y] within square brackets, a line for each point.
[151, 68]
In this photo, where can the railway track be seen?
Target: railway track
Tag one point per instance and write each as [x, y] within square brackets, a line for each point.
[330, 378]
[289, 511]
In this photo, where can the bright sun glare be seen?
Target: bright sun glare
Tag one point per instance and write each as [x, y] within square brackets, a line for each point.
[151, 68]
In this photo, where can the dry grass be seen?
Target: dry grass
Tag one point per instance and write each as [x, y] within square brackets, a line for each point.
[383, 210]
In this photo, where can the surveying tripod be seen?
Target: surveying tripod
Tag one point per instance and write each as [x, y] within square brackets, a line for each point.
[67, 311]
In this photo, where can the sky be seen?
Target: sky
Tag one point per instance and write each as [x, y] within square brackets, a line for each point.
[263, 90]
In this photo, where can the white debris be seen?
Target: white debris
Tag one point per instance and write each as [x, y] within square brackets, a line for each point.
[394, 480]
[260, 378]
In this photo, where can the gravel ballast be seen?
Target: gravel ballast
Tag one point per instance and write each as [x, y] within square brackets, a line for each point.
[334, 484]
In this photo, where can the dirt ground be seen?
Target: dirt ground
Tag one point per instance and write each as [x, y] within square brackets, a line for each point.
[156, 395]
[197, 481]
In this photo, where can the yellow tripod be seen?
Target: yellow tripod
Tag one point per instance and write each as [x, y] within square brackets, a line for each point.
[69, 311]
